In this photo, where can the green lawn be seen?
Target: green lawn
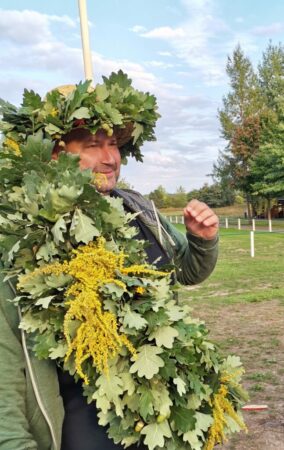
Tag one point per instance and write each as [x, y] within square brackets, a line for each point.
[240, 278]
[242, 304]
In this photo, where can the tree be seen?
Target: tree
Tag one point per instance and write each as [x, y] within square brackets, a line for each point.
[213, 195]
[271, 77]
[267, 169]
[240, 123]
[123, 184]
[179, 199]
[160, 197]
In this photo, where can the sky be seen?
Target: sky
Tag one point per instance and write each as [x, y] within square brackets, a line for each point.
[175, 49]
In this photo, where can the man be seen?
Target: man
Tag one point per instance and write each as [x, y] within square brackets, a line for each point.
[34, 413]
[195, 260]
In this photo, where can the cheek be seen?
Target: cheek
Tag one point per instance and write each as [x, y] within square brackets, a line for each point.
[88, 161]
[118, 159]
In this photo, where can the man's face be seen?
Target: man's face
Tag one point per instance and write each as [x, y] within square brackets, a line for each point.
[99, 153]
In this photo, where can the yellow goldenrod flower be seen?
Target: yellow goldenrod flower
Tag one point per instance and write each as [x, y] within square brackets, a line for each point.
[99, 180]
[221, 406]
[142, 269]
[97, 336]
[12, 144]
[140, 290]
[54, 112]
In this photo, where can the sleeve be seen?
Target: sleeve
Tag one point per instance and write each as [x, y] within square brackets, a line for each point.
[194, 257]
[14, 428]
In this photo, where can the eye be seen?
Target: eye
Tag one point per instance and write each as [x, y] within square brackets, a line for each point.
[92, 144]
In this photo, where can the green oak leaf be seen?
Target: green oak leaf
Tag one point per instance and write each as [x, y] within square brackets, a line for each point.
[80, 113]
[203, 422]
[46, 251]
[102, 402]
[44, 301]
[128, 382]
[136, 133]
[145, 402]
[101, 92]
[148, 362]
[162, 401]
[164, 336]
[181, 385]
[43, 344]
[132, 319]
[183, 418]
[58, 229]
[82, 227]
[59, 351]
[193, 440]
[110, 385]
[155, 434]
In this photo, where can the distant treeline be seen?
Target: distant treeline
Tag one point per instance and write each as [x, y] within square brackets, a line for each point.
[214, 195]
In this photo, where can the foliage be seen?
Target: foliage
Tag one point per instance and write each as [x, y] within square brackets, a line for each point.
[159, 197]
[214, 195]
[159, 387]
[123, 184]
[252, 123]
[113, 105]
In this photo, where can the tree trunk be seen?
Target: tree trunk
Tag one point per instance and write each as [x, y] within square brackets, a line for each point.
[269, 208]
[249, 207]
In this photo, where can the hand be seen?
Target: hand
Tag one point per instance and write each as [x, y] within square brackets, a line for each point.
[200, 220]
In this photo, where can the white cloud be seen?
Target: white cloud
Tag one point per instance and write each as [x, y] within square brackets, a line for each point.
[165, 33]
[165, 54]
[29, 27]
[268, 30]
[160, 64]
[66, 20]
[191, 40]
[138, 29]
[177, 158]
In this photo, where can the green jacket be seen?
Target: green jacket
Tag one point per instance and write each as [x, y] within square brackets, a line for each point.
[31, 408]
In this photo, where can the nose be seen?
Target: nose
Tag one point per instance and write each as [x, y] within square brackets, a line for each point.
[107, 155]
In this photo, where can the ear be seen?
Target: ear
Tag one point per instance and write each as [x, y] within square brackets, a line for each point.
[58, 148]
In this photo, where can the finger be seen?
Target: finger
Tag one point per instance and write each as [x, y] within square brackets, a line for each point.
[212, 221]
[194, 208]
[204, 215]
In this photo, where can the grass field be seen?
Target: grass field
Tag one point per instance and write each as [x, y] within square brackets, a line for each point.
[242, 304]
[236, 210]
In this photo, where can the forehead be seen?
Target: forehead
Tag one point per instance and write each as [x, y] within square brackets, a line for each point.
[84, 135]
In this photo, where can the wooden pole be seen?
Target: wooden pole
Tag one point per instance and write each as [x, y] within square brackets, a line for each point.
[252, 244]
[87, 56]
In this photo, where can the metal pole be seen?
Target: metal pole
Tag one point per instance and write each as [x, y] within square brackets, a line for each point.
[87, 56]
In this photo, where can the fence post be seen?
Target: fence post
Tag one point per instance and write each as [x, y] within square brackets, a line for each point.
[253, 224]
[226, 222]
[252, 244]
[182, 220]
[239, 224]
[270, 225]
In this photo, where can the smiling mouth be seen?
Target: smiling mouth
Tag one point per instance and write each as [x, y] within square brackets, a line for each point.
[107, 174]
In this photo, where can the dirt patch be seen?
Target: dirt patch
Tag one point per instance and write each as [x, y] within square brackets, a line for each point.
[255, 332]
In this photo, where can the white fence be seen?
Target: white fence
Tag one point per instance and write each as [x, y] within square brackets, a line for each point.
[241, 223]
